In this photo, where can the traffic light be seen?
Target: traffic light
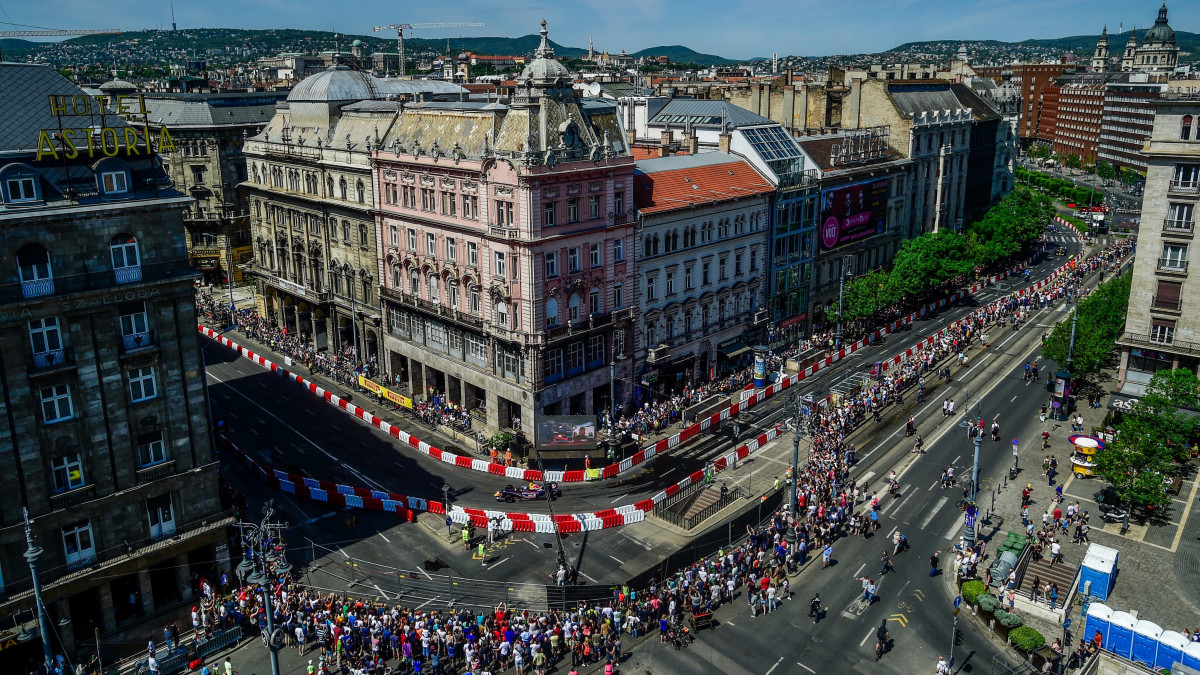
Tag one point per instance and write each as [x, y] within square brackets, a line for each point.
[958, 637]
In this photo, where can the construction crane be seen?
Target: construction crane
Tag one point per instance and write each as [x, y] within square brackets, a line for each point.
[51, 32]
[401, 27]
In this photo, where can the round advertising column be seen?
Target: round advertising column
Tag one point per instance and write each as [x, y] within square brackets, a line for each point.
[760, 366]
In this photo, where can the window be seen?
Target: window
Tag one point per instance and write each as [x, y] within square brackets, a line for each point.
[160, 515]
[1162, 330]
[452, 293]
[618, 297]
[573, 210]
[451, 249]
[414, 283]
[670, 284]
[619, 342]
[573, 260]
[513, 264]
[573, 308]
[504, 213]
[151, 450]
[554, 362]
[473, 299]
[594, 207]
[551, 311]
[498, 264]
[574, 356]
[45, 339]
[77, 543]
[594, 301]
[345, 230]
[476, 349]
[549, 211]
[721, 267]
[1167, 295]
[363, 236]
[753, 260]
[595, 348]
[618, 250]
[115, 182]
[551, 265]
[704, 273]
[619, 203]
[1185, 129]
[124, 250]
[428, 203]
[56, 403]
[430, 244]
[22, 189]
[650, 337]
[651, 291]
[687, 279]
[412, 239]
[737, 264]
[449, 204]
[141, 384]
[501, 310]
[409, 195]
[1174, 256]
[434, 296]
[594, 250]
[68, 473]
[470, 207]
[394, 235]
[472, 254]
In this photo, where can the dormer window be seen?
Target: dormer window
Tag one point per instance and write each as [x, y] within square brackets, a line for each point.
[114, 182]
[20, 184]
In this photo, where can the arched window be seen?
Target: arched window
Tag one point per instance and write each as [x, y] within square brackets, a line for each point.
[1185, 129]
[552, 311]
[362, 192]
[647, 249]
[573, 308]
[33, 262]
[434, 296]
[397, 277]
[127, 265]
[414, 283]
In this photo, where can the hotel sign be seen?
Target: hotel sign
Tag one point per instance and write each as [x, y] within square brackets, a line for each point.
[102, 141]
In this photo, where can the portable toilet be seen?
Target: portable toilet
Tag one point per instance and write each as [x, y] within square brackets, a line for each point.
[1170, 649]
[1098, 572]
[1120, 634]
[1191, 655]
[1099, 616]
[1145, 642]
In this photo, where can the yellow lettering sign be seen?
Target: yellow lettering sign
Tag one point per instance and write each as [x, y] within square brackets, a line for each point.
[384, 392]
[58, 105]
[69, 144]
[131, 141]
[165, 142]
[45, 146]
[105, 134]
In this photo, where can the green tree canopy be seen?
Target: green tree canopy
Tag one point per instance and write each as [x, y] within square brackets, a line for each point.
[1101, 321]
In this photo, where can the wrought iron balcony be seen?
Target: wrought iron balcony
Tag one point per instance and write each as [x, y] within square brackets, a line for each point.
[52, 360]
[137, 341]
[1183, 187]
[156, 471]
[1171, 226]
[37, 288]
[127, 275]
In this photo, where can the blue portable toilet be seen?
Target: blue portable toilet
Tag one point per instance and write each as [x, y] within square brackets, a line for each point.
[1145, 642]
[1191, 655]
[1098, 571]
[1120, 634]
[1098, 618]
[1170, 649]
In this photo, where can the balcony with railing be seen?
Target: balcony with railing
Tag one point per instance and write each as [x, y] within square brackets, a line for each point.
[51, 360]
[135, 342]
[169, 270]
[155, 472]
[128, 274]
[1162, 340]
[1179, 227]
[435, 308]
[37, 288]
[1168, 304]
[1184, 187]
[69, 498]
[1172, 265]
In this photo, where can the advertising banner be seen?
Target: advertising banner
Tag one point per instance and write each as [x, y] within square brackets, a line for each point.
[853, 212]
[384, 392]
[760, 370]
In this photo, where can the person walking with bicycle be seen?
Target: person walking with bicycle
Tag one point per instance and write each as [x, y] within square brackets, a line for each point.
[881, 639]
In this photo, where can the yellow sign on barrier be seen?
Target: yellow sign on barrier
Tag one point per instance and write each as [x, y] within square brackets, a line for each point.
[384, 392]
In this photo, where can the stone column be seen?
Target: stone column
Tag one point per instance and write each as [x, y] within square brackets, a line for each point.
[108, 613]
[183, 578]
[147, 590]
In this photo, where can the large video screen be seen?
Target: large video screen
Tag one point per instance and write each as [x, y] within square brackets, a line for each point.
[853, 212]
[566, 432]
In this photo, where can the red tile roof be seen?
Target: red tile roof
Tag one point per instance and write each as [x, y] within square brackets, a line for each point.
[696, 186]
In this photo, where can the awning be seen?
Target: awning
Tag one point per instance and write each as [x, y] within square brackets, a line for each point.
[735, 349]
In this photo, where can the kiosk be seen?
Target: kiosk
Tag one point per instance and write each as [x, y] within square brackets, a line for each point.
[1083, 457]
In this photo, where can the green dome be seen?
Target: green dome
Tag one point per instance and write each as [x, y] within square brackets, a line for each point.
[1160, 32]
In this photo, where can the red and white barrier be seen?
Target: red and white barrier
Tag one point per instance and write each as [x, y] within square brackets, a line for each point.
[750, 398]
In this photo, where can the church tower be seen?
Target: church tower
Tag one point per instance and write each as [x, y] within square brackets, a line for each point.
[1127, 59]
[1100, 58]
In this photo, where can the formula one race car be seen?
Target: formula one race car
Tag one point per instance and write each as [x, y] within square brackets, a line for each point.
[532, 491]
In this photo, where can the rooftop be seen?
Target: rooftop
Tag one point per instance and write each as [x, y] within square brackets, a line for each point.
[686, 181]
[705, 113]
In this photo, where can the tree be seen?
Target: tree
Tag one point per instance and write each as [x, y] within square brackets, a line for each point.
[1101, 321]
[1151, 439]
[929, 261]
[1073, 161]
[1106, 170]
[868, 295]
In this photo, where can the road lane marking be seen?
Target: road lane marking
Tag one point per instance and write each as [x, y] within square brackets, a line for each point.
[864, 640]
[936, 508]
[772, 669]
[953, 530]
[385, 539]
[1012, 399]
[806, 668]
[619, 561]
[436, 597]
[860, 569]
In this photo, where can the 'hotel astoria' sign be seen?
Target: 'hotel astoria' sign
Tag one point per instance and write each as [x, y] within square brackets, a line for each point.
[99, 141]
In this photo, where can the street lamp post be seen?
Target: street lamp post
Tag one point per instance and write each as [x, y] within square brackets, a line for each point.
[265, 562]
[446, 507]
[970, 510]
[562, 552]
[797, 434]
[847, 262]
[32, 553]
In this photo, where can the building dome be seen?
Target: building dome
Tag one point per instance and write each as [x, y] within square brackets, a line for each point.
[544, 68]
[1160, 32]
[335, 83]
[118, 87]
[356, 43]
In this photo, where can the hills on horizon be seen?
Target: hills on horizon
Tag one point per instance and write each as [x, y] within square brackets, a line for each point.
[1080, 45]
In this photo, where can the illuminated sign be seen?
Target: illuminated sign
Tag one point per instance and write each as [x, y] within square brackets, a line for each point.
[853, 212]
[99, 141]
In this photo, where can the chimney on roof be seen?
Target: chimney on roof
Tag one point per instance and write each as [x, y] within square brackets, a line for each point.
[692, 143]
[665, 137]
[724, 140]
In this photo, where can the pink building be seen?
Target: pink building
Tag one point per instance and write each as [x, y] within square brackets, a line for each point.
[505, 251]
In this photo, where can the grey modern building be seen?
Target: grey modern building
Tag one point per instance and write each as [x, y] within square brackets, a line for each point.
[104, 430]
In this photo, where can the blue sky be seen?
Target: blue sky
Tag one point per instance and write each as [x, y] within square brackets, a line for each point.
[730, 28]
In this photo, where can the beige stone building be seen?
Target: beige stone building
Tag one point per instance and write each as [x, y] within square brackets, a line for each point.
[1162, 327]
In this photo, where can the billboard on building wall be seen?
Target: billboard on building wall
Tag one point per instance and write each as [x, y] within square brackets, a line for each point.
[853, 212]
[566, 432]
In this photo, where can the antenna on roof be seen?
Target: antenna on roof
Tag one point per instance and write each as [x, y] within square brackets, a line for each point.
[173, 28]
